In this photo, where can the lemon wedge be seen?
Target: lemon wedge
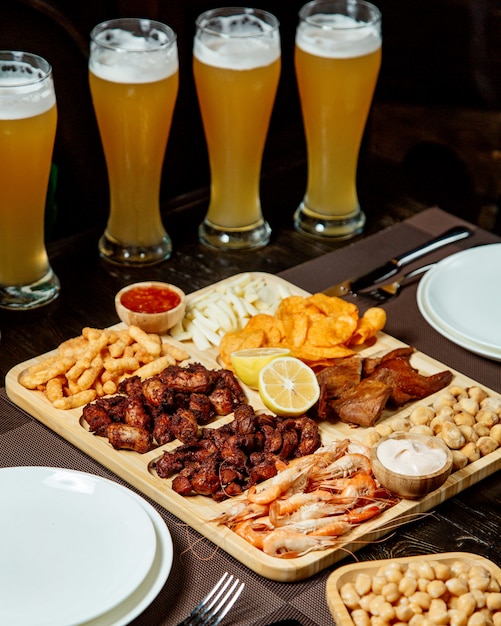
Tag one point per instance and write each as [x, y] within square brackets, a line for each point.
[248, 363]
[288, 386]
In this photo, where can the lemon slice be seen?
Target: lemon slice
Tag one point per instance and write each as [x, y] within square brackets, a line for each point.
[288, 386]
[248, 363]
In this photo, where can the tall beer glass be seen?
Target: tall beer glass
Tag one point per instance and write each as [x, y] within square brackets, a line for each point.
[236, 66]
[337, 60]
[134, 77]
[28, 120]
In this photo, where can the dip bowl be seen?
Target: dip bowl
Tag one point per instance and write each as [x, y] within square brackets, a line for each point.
[411, 465]
[153, 306]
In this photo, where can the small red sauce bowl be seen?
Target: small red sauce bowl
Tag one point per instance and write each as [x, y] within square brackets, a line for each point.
[155, 307]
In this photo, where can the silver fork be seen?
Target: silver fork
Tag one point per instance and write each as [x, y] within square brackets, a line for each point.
[391, 290]
[216, 604]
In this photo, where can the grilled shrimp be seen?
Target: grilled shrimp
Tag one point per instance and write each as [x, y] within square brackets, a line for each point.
[303, 506]
[254, 531]
[289, 481]
[241, 511]
[325, 526]
[347, 465]
[287, 544]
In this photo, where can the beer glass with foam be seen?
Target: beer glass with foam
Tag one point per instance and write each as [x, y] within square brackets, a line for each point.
[337, 61]
[236, 64]
[28, 120]
[134, 77]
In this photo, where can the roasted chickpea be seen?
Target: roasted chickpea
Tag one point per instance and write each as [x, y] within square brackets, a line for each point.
[407, 585]
[438, 612]
[378, 582]
[493, 601]
[477, 393]
[489, 418]
[349, 595]
[467, 603]
[469, 405]
[360, 617]
[486, 445]
[363, 584]
[436, 588]
[457, 586]
[421, 415]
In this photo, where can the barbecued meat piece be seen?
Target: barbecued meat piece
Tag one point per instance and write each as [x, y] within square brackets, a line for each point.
[226, 378]
[182, 485]
[221, 400]
[263, 467]
[244, 418]
[406, 382]
[362, 404]
[131, 386]
[126, 437]
[232, 453]
[369, 364]
[205, 481]
[309, 436]
[184, 425]
[157, 393]
[343, 374]
[192, 378]
[114, 406]
[136, 413]
[273, 439]
[202, 408]
[97, 418]
[169, 463]
[290, 437]
[162, 432]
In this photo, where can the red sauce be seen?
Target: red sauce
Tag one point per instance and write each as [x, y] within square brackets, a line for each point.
[150, 299]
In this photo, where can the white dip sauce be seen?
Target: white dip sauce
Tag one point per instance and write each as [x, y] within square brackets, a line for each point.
[411, 457]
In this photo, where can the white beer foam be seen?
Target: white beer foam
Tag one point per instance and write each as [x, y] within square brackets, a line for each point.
[340, 37]
[241, 46]
[19, 100]
[121, 58]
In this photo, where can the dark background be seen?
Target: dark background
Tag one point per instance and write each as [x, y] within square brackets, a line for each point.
[433, 137]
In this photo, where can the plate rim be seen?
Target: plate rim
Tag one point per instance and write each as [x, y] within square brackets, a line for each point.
[423, 297]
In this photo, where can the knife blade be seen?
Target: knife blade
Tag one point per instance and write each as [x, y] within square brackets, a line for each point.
[352, 286]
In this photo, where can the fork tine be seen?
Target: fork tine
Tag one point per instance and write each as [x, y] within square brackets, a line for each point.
[221, 609]
[211, 609]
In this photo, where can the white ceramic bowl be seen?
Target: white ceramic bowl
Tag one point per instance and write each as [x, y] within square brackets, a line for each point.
[159, 322]
[405, 483]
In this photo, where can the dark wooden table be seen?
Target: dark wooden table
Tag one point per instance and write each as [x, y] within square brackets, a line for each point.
[469, 521]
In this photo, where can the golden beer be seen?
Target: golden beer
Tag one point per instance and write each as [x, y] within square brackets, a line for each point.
[236, 67]
[336, 77]
[134, 83]
[25, 158]
[236, 125]
[28, 120]
[134, 123]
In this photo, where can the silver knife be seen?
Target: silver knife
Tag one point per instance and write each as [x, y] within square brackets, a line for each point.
[393, 266]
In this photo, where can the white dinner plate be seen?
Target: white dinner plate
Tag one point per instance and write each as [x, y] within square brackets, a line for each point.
[73, 546]
[151, 586]
[461, 298]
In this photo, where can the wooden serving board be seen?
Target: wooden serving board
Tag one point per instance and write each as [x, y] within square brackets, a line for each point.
[198, 511]
[349, 573]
